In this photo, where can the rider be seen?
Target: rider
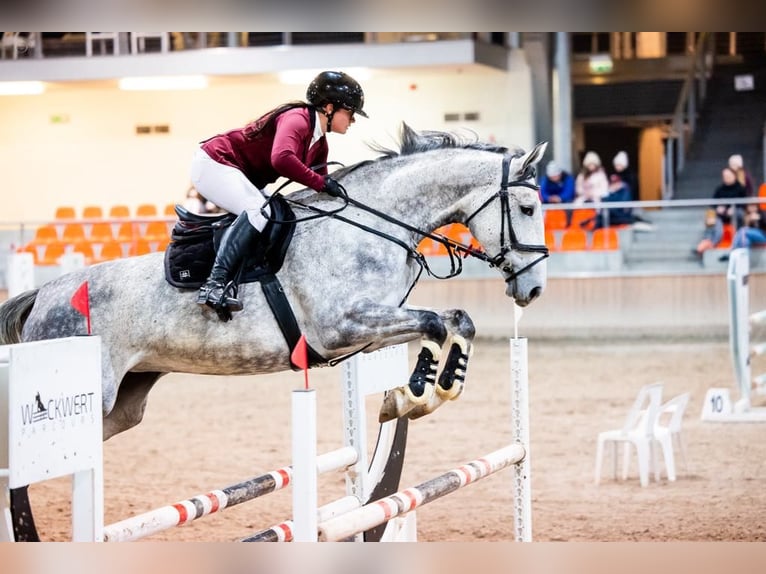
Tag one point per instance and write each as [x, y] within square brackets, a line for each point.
[233, 168]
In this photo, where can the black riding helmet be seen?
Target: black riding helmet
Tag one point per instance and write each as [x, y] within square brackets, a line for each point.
[337, 88]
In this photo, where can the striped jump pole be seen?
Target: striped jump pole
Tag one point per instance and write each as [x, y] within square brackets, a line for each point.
[385, 509]
[283, 532]
[201, 505]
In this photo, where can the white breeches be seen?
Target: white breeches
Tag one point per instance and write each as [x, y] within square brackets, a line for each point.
[228, 188]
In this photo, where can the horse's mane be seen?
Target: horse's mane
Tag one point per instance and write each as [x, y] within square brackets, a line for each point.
[412, 142]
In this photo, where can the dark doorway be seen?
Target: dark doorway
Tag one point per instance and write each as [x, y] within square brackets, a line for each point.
[751, 45]
[607, 139]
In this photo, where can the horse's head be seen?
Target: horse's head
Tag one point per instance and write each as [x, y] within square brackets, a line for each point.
[508, 222]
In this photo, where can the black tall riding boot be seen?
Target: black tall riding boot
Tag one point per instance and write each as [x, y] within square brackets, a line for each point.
[217, 292]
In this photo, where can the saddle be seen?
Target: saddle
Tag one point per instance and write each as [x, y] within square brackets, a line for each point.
[193, 245]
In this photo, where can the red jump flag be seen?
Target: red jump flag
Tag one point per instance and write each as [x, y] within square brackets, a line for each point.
[300, 358]
[81, 303]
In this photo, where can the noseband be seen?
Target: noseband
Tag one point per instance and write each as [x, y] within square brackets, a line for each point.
[513, 243]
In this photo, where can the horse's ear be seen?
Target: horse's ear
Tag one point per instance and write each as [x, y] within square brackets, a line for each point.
[532, 157]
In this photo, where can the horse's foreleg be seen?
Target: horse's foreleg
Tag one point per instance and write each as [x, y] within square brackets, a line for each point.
[385, 325]
[452, 378]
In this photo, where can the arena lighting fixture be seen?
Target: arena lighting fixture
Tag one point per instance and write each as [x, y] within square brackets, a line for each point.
[163, 83]
[21, 88]
[304, 77]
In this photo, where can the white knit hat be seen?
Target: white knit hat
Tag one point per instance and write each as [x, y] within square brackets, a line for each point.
[735, 161]
[591, 158]
[552, 169]
[620, 159]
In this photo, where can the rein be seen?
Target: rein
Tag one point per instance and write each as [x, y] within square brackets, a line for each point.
[454, 248]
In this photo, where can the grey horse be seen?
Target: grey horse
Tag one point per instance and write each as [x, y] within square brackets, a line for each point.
[347, 285]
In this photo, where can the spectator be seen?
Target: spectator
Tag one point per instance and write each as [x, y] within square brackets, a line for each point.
[753, 232]
[623, 169]
[591, 183]
[721, 214]
[618, 191]
[626, 174]
[737, 165]
[197, 203]
[557, 187]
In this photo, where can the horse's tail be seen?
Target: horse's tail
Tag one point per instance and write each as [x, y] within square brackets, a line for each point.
[13, 315]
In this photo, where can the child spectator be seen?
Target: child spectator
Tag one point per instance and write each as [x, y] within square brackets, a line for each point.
[721, 214]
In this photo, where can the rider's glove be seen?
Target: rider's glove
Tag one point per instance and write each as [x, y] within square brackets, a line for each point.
[332, 187]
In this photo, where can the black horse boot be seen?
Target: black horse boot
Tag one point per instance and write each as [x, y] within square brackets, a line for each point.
[217, 292]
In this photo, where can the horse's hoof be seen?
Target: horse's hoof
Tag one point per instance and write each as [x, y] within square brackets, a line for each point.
[400, 401]
[452, 393]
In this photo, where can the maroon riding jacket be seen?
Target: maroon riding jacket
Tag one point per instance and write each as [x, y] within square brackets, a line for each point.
[283, 150]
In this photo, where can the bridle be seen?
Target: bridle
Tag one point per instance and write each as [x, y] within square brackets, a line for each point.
[513, 243]
[454, 248]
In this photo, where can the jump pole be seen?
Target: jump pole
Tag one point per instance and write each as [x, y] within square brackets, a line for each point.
[385, 509]
[186, 511]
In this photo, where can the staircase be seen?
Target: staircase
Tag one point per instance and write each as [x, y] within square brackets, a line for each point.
[731, 122]
[669, 247]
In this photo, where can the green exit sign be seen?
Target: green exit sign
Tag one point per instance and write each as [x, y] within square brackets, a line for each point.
[600, 64]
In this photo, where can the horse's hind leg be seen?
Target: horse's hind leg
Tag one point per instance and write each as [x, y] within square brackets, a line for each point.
[128, 410]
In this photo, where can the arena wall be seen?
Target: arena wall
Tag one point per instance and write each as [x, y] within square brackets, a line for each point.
[607, 307]
[77, 144]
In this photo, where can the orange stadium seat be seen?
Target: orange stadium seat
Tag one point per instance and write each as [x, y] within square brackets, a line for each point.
[119, 211]
[555, 219]
[73, 233]
[146, 210]
[156, 231]
[86, 249]
[110, 250]
[101, 232]
[574, 239]
[140, 247]
[45, 234]
[92, 212]
[65, 212]
[605, 239]
[170, 210]
[127, 231]
[581, 215]
[550, 240]
[52, 253]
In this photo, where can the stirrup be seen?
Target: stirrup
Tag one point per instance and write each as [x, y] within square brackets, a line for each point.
[209, 295]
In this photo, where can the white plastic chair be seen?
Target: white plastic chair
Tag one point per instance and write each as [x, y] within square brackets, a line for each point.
[637, 431]
[668, 434]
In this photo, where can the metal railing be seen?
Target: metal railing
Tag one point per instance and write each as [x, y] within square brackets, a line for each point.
[684, 123]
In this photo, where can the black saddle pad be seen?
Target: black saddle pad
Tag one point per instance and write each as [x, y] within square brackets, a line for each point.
[195, 239]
